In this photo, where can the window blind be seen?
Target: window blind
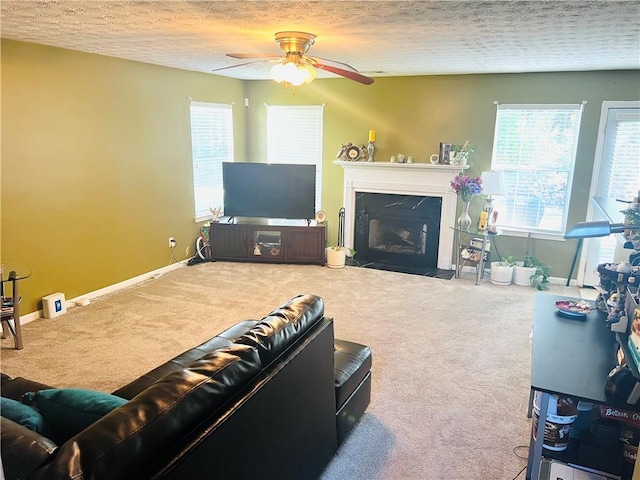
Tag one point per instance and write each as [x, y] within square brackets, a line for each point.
[535, 149]
[620, 166]
[294, 135]
[211, 144]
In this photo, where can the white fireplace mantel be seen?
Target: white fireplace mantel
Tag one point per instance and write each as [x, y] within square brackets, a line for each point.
[403, 179]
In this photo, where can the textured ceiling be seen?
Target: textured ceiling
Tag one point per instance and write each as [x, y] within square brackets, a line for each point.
[389, 38]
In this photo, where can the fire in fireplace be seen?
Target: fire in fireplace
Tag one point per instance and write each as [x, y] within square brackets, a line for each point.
[400, 230]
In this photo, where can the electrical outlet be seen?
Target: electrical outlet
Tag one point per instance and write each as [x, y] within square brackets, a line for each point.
[172, 242]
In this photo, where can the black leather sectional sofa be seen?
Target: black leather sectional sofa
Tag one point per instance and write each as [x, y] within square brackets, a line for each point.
[270, 399]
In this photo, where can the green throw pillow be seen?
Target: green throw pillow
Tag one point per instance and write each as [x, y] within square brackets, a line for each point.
[68, 411]
[22, 414]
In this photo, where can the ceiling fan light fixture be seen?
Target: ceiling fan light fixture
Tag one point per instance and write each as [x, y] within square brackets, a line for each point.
[290, 72]
[296, 68]
[311, 73]
[277, 72]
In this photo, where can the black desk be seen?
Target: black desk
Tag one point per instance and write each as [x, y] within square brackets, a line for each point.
[570, 356]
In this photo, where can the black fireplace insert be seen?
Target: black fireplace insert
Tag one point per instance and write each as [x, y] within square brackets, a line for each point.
[397, 230]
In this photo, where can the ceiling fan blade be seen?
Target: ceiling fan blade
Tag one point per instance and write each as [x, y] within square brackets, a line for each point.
[345, 73]
[253, 55]
[315, 59]
[239, 65]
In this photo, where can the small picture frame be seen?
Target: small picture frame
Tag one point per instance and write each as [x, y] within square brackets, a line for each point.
[445, 153]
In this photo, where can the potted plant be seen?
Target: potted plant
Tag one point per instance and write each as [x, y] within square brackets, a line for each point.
[523, 271]
[631, 217]
[337, 256]
[459, 154]
[539, 279]
[502, 271]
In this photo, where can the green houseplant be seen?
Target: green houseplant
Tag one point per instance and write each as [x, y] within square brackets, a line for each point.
[522, 272]
[540, 277]
[459, 154]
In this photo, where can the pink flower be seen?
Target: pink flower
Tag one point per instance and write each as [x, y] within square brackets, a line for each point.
[466, 186]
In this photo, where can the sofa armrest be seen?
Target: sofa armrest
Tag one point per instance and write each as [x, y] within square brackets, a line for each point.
[23, 450]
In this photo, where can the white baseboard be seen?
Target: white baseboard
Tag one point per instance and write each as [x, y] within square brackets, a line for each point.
[86, 298]
[487, 271]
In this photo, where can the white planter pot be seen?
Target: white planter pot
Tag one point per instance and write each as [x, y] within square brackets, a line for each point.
[501, 274]
[522, 275]
[336, 258]
[458, 158]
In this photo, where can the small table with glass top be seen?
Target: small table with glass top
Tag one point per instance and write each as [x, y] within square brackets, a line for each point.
[478, 252]
[10, 275]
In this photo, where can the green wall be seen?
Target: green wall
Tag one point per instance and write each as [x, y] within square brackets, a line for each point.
[96, 152]
[412, 115]
[96, 165]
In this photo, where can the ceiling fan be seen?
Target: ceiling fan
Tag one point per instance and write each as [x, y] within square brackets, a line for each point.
[296, 67]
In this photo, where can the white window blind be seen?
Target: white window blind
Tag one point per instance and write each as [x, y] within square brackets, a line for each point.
[535, 148]
[211, 144]
[620, 166]
[294, 135]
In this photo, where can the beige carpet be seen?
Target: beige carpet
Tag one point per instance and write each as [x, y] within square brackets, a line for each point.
[451, 360]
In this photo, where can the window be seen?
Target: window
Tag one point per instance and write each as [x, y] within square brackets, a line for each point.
[616, 174]
[620, 165]
[294, 135]
[535, 148]
[211, 144]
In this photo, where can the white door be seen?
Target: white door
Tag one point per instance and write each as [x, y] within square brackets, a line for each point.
[616, 174]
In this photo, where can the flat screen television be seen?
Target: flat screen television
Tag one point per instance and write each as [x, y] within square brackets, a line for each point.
[269, 190]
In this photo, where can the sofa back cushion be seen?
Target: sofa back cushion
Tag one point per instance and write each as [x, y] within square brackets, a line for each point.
[221, 340]
[278, 330]
[155, 422]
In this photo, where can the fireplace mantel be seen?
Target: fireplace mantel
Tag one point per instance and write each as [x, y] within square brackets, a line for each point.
[403, 179]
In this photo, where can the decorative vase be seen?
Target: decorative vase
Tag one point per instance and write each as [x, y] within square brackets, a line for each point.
[464, 220]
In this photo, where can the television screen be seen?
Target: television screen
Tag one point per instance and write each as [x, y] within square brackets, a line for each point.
[269, 190]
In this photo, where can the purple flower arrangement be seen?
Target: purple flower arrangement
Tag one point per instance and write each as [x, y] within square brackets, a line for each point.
[466, 186]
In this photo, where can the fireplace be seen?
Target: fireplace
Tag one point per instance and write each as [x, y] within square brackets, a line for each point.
[397, 229]
[426, 182]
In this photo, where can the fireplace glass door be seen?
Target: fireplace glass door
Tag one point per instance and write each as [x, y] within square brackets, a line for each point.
[397, 229]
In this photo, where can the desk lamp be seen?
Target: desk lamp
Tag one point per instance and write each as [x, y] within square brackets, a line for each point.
[600, 228]
[492, 184]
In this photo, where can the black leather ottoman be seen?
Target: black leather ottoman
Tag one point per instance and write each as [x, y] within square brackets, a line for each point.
[352, 365]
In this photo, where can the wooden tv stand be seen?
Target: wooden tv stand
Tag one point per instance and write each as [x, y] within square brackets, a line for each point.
[252, 241]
